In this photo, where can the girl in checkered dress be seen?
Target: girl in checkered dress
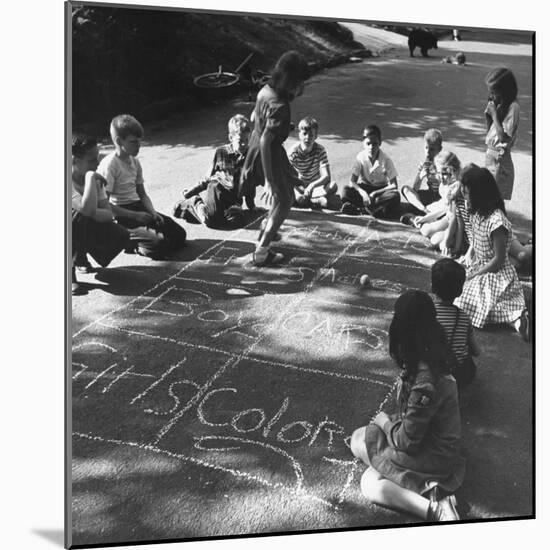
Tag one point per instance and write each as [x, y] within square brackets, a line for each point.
[492, 293]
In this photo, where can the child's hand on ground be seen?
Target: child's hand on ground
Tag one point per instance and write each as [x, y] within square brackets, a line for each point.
[367, 200]
[380, 419]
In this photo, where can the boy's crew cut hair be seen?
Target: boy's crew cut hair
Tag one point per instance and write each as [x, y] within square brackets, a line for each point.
[307, 123]
[123, 126]
[372, 130]
[448, 279]
[434, 137]
[236, 123]
[81, 144]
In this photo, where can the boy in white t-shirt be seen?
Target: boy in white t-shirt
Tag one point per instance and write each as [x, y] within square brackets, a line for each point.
[372, 188]
[153, 234]
[94, 230]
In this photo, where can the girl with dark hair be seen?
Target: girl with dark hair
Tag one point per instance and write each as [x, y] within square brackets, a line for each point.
[502, 118]
[267, 162]
[414, 454]
[492, 292]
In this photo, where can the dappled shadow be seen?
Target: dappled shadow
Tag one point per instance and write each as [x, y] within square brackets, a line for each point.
[218, 400]
[397, 100]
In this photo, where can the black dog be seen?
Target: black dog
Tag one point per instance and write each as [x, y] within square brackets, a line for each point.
[425, 40]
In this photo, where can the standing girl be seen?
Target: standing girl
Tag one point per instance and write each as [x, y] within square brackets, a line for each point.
[492, 292]
[414, 454]
[502, 118]
[267, 161]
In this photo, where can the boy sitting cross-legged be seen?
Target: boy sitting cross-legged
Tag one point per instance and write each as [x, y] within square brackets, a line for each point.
[310, 160]
[427, 172]
[152, 234]
[373, 182]
[221, 206]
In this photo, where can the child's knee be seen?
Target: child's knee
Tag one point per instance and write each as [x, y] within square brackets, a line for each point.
[436, 238]
[426, 230]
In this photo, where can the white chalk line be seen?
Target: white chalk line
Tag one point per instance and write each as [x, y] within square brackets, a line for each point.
[295, 465]
[358, 259]
[347, 304]
[252, 358]
[354, 465]
[156, 299]
[158, 381]
[246, 353]
[154, 287]
[300, 492]
[271, 292]
[100, 375]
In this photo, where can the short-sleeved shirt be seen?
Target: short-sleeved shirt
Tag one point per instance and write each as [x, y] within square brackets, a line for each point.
[77, 196]
[510, 125]
[308, 164]
[432, 179]
[123, 177]
[447, 315]
[376, 174]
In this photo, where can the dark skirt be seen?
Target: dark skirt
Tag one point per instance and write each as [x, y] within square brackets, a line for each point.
[412, 471]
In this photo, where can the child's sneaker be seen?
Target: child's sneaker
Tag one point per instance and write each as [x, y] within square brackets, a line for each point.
[350, 209]
[177, 210]
[443, 509]
[84, 266]
[319, 203]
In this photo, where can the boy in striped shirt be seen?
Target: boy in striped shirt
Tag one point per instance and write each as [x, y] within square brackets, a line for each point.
[448, 278]
[310, 160]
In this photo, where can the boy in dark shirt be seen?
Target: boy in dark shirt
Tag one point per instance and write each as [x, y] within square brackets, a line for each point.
[221, 206]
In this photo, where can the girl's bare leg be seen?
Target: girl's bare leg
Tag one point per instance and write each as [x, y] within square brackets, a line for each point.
[428, 229]
[438, 239]
[413, 198]
[384, 492]
[282, 203]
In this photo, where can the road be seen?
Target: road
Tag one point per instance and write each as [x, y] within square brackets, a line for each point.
[212, 400]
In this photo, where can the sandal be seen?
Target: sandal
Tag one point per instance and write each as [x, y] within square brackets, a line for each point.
[407, 219]
[85, 268]
[272, 258]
